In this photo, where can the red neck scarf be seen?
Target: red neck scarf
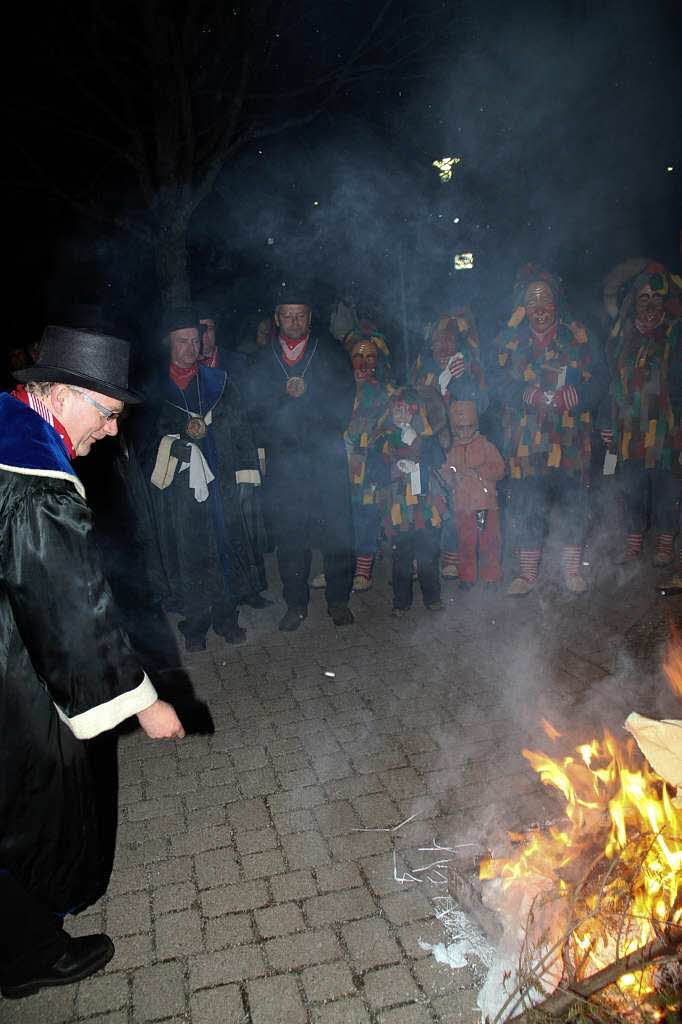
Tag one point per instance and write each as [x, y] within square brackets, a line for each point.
[181, 375]
[36, 403]
[290, 346]
[212, 361]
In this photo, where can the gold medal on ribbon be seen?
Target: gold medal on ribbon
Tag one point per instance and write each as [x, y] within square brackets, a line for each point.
[295, 386]
[196, 428]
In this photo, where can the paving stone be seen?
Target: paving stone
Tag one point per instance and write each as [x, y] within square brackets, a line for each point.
[259, 782]
[248, 758]
[403, 782]
[128, 914]
[221, 1005]
[411, 905]
[292, 779]
[174, 897]
[457, 1008]
[158, 991]
[379, 872]
[178, 934]
[301, 820]
[327, 981]
[295, 885]
[170, 872]
[356, 845]
[127, 880]
[337, 876]
[301, 950]
[293, 799]
[212, 796]
[346, 1011]
[226, 965]
[215, 867]
[227, 899]
[370, 943]
[52, 1005]
[248, 814]
[416, 1013]
[256, 840]
[390, 986]
[279, 920]
[339, 906]
[337, 818]
[154, 808]
[377, 810]
[260, 865]
[437, 979]
[205, 817]
[305, 849]
[196, 840]
[276, 1001]
[218, 777]
[131, 951]
[103, 992]
[229, 930]
[410, 935]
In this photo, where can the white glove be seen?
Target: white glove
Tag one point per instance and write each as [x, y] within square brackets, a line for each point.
[406, 465]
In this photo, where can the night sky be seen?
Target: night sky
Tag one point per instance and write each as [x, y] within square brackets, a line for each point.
[565, 117]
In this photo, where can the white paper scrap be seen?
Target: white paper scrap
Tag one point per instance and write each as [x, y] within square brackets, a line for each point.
[451, 955]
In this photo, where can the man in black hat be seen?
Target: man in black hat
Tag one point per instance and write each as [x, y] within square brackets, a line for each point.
[301, 391]
[201, 460]
[67, 672]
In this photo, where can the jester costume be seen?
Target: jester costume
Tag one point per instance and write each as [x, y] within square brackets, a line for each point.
[549, 378]
[402, 464]
[646, 394]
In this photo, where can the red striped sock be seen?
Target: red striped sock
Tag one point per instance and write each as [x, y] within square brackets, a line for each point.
[570, 560]
[363, 566]
[451, 558]
[530, 560]
[664, 544]
[633, 544]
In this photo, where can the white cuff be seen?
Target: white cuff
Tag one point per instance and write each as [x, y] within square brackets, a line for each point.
[248, 476]
[107, 716]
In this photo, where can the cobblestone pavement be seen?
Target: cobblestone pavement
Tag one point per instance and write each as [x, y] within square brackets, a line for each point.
[254, 874]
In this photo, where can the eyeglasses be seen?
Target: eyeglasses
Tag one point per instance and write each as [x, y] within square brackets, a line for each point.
[107, 414]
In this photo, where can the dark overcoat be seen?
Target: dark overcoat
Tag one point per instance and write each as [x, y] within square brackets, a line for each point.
[66, 669]
[306, 464]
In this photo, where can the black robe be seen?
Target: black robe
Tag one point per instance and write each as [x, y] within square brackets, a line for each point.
[209, 550]
[306, 466]
[67, 673]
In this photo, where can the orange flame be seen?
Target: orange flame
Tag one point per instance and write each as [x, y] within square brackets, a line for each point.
[615, 863]
[549, 730]
[673, 664]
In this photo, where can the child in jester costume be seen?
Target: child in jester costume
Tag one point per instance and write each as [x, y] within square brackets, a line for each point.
[403, 464]
[549, 378]
[646, 405]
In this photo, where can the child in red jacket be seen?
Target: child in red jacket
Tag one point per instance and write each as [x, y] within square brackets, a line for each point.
[473, 465]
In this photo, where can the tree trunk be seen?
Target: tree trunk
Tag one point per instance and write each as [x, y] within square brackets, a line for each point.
[172, 265]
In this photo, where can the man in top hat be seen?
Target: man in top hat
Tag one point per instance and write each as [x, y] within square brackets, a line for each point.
[67, 672]
[301, 391]
[200, 458]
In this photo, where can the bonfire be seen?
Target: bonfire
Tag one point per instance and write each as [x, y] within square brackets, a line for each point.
[591, 907]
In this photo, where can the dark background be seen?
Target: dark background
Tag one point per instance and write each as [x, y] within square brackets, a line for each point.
[566, 117]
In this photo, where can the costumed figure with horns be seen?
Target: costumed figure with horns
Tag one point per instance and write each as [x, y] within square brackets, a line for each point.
[300, 401]
[67, 671]
[645, 433]
[550, 377]
[202, 462]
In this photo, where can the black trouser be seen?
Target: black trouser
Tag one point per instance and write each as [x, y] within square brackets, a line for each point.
[31, 936]
[424, 545]
[643, 489]
[222, 614]
[532, 500]
[294, 570]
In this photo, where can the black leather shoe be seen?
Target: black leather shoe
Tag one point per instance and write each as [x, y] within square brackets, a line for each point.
[231, 634]
[195, 643]
[292, 619]
[83, 957]
[341, 615]
[257, 601]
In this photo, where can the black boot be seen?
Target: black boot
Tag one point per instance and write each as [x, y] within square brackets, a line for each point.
[292, 619]
[341, 614]
[82, 958]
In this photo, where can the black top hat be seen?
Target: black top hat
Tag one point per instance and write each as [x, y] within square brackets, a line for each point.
[88, 359]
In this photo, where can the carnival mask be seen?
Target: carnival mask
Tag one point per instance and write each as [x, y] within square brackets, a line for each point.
[649, 311]
[540, 306]
[364, 360]
[463, 420]
[402, 413]
[444, 345]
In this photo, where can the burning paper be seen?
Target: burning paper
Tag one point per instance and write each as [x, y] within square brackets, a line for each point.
[446, 166]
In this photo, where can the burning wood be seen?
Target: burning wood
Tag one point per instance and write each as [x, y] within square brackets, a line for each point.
[590, 905]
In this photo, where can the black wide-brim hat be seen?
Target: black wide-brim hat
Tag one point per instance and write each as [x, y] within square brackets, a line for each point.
[88, 359]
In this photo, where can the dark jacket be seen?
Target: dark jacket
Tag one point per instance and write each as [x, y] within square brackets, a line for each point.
[66, 669]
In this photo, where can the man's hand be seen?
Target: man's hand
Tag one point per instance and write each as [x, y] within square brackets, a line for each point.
[160, 722]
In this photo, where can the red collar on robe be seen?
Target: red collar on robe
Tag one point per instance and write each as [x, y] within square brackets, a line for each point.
[36, 403]
[182, 375]
[212, 361]
[292, 348]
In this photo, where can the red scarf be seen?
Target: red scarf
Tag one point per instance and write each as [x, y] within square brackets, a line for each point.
[36, 403]
[212, 361]
[181, 375]
[288, 345]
